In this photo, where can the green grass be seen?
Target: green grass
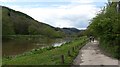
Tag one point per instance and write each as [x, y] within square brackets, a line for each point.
[110, 49]
[48, 56]
[0, 60]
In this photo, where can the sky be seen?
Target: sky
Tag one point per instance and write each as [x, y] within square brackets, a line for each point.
[58, 13]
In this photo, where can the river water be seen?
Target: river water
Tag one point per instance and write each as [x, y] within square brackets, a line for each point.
[15, 47]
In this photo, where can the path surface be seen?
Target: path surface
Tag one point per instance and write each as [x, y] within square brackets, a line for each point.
[91, 55]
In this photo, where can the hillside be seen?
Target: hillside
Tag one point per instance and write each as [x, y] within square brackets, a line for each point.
[17, 23]
[70, 31]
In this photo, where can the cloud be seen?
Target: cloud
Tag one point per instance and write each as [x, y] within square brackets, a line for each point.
[7, 0]
[83, 1]
[80, 1]
[76, 14]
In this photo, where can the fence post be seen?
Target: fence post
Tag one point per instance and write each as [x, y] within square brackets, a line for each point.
[69, 53]
[62, 59]
[73, 49]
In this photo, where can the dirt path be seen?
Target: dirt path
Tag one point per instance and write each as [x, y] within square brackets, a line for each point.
[91, 55]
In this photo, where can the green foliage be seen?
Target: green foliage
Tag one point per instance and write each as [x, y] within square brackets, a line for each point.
[106, 26]
[17, 23]
[8, 25]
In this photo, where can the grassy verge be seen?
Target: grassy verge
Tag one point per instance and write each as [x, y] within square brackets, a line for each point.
[48, 56]
[110, 50]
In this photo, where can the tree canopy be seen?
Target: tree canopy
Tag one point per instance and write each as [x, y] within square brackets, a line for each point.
[106, 27]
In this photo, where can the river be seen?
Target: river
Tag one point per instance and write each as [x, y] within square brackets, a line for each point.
[15, 47]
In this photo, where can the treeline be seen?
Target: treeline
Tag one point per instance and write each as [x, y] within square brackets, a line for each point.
[106, 27]
[17, 23]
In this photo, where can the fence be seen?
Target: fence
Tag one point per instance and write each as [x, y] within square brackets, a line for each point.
[70, 51]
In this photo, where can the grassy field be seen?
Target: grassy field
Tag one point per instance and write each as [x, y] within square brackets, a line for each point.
[48, 56]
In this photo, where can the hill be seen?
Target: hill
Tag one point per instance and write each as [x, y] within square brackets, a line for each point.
[70, 31]
[18, 23]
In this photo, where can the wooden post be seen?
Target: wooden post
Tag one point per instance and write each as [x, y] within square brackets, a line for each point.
[62, 59]
[69, 53]
[73, 49]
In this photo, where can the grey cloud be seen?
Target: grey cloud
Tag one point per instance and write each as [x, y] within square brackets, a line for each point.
[77, 21]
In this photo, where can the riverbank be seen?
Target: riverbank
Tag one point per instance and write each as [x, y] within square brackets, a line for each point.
[49, 56]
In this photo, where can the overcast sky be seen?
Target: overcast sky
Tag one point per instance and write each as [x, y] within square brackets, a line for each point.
[58, 13]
